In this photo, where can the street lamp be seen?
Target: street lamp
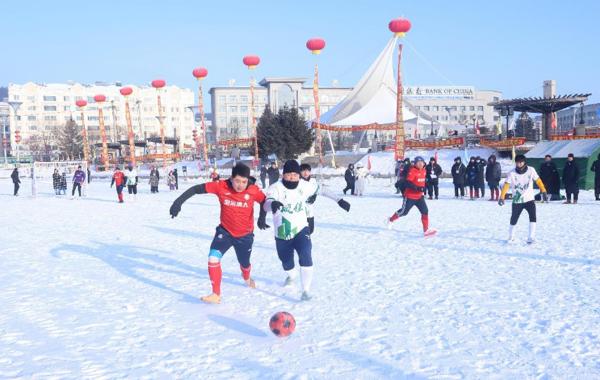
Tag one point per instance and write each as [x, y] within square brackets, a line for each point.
[15, 106]
[508, 112]
[4, 139]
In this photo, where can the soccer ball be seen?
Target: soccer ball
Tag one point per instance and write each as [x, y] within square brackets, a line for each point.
[282, 324]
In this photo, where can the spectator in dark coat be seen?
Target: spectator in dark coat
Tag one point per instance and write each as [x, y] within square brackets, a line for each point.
[56, 182]
[550, 177]
[402, 168]
[471, 178]
[263, 176]
[176, 178]
[493, 173]
[273, 173]
[16, 181]
[596, 169]
[350, 178]
[571, 178]
[433, 173]
[458, 177]
[480, 185]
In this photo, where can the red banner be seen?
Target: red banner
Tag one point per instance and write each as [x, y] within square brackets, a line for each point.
[567, 137]
[421, 144]
[358, 128]
[159, 156]
[242, 141]
[508, 143]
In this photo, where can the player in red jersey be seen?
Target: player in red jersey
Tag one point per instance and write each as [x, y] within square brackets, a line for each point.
[413, 196]
[236, 196]
[118, 179]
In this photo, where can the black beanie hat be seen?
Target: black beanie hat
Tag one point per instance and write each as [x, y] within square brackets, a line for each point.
[291, 166]
[304, 167]
[520, 158]
[240, 170]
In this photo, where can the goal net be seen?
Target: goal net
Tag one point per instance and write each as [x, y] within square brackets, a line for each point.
[45, 182]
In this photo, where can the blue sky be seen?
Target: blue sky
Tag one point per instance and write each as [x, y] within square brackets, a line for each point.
[510, 46]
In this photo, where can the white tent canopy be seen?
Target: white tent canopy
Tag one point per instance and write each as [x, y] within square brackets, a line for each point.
[373, 99]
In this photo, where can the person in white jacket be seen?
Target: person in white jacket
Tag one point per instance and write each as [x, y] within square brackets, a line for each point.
[305, 174]
[132, 180]
[361, 179]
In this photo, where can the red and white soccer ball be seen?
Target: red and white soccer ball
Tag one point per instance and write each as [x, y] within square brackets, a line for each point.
[282, 324]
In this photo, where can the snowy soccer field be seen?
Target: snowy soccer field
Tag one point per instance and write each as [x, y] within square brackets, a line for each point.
[94, 289]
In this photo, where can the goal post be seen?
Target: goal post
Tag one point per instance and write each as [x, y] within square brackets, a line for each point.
[42, 182]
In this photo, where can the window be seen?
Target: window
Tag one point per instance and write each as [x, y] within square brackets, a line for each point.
[232, 99]
[496, 98]
[244, 109]
[472, 108]
[31, 108]
[480, 108]
[232, 109]
[50, 117]
[222, 98]
[435, 108]
[31, 98]
[426, 108]
[49, 108]
[66, 98]
[463, 108]
[48, 127]
[33, 128]
[453, 108]
[66, 108]
[243, 99]
[49, 98]
[31, 117]
[418, 107]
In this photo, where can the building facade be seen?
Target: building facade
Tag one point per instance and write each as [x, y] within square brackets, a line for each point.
[46, 107]
[448, 105]
[570, 118]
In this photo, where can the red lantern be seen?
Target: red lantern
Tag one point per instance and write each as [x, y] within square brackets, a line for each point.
[17, 136]
[99, 98]
[200, 73]
[399, 26]
[251, 61]
[315, 45]
[81, 103]
[158, 83]
[125, 91]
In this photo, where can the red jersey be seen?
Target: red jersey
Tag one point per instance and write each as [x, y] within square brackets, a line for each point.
[119, 178]
[416, 177]
[237, 209]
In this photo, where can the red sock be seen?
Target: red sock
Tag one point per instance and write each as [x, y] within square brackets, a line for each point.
[497, 191]
[394, 217]
[425, 221]
[120, 197]
[246, 272]
[215, 273]
[476, 193]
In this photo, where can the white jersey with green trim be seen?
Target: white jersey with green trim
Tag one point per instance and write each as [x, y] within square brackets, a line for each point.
[522, 184]
[291, 219]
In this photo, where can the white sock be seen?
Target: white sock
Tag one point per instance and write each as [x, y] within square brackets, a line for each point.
[532, 226]
[292, 273]
[511, 232]
[307, 276]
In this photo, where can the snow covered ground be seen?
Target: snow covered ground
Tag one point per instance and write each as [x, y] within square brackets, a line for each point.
[94, 289]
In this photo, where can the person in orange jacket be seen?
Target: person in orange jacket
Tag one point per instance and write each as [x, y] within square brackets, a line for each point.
[118, 179]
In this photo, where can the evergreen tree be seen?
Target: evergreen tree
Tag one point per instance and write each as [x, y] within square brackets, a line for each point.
[69, 139]
[286, 134]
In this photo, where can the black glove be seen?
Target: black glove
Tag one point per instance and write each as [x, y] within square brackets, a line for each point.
[343, 204]
[175, 208]
[262, 222]
[310, 200]
[544, 197]
[501, 202]
[276, 205]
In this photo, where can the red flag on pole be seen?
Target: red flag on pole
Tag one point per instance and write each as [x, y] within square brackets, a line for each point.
[477, 128]
[369, 163]
[553, 120]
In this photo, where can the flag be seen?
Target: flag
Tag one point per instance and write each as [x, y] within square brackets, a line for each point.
[553, 125]
[499, 127]
[477, 128]
[369, 162]
[514, 154]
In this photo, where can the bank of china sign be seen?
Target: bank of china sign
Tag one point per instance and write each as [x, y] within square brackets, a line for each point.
[439, 91]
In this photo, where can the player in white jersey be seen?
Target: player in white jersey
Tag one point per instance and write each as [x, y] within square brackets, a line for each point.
[287, 199]
[521, 180]
[305, 170]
